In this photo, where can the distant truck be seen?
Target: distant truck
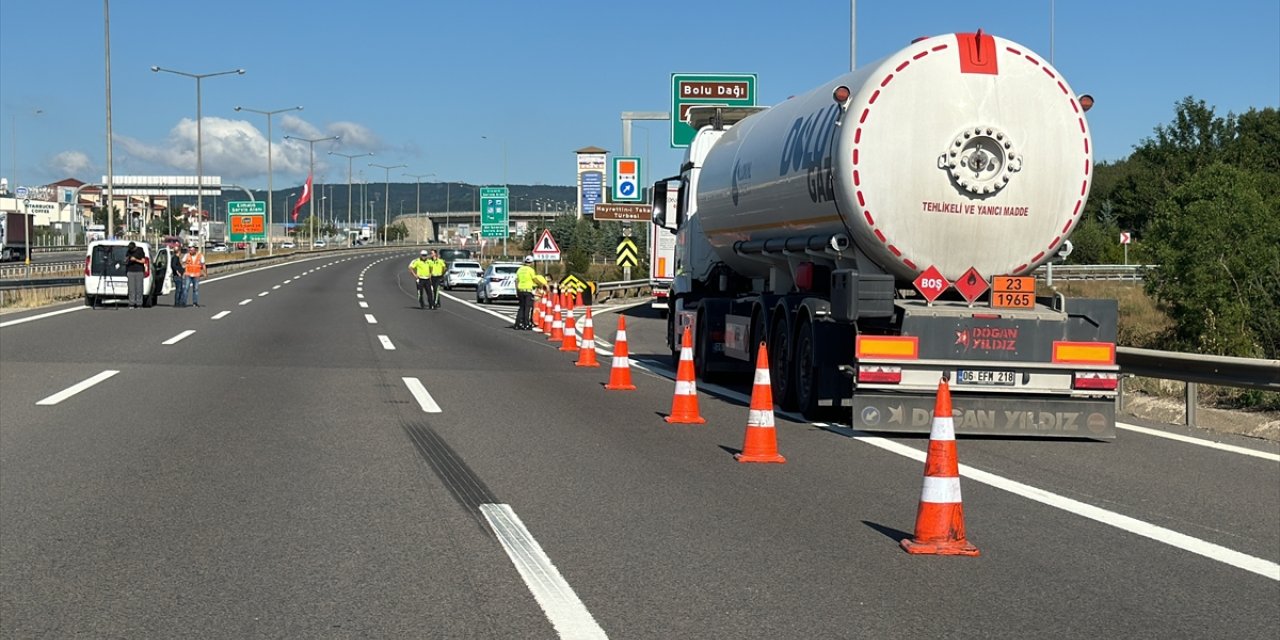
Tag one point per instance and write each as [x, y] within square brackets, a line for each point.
[14, 243]
[662, 258]
[877, 234]
[209, 233]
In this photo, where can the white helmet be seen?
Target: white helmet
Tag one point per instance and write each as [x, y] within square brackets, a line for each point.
[528, 259]
[423, 252]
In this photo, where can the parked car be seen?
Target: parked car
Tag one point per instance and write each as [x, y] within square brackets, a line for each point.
[288, 245]
[498, 283]
[220, 247]
[104, 272]
[319, 244]
[463, 273]
[449, 255]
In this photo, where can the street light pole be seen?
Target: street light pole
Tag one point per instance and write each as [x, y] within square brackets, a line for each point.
[311, 202]
[504, 186]
[386, 197]
[418, 177]
[199, 129]
[268, 114]
[349, 157]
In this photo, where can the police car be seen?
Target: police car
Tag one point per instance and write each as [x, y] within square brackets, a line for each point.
[498, 282]
[463, 273]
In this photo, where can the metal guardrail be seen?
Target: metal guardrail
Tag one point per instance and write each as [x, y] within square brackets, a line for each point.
[1132, 272]
[1195, 369]
[621, 287]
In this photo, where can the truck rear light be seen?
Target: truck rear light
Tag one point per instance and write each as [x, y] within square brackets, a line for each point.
[86, 265]
[881, 375]
[804, 276]
[897, 347]
[1096, 380]
[1084, 352]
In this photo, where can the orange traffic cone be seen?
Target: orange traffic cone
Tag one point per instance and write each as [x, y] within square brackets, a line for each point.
[761, 441]
[620, 374]
[940, 518]
[684, 406]
[557, 325]
[537, 314]
[587, 353]
[569, 342]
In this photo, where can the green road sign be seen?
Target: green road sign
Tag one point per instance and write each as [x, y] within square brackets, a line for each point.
[247, 220]
[691, 89]
[493, 212]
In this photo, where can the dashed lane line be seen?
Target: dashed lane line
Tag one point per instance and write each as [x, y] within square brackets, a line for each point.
[246, 301]
[220, 315]
[368, 317]
[364, 305]
[179, 338]
[76, 388]
[386, 343]
[421, 394]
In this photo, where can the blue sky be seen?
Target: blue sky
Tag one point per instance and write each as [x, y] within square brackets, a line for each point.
[419, 83]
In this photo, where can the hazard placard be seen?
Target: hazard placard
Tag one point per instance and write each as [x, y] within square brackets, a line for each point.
[546, 248]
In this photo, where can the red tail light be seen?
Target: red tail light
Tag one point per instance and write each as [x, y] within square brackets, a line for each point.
[1096, 380]
[879, 375]
[146, 267]
[86, 265]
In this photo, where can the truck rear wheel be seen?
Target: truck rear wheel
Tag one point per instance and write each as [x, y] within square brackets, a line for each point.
[806, 371]
[780, 369]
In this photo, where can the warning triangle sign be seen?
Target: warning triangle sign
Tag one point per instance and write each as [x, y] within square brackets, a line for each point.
[546, 245]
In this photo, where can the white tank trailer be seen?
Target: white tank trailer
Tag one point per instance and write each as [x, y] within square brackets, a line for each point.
[805, 224]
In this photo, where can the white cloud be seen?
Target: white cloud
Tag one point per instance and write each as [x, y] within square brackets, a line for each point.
[71, 163]
[356, 136]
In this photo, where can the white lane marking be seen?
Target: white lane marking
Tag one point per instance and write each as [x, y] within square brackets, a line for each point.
[1244, 451]
[420, 394]
[246, 301]
[275, 287]
[368, 317]
[566, 612]
[288, 281]
[176, 339]
[264, 293]
[386, 343]
[40, 317]
[1212, 551]
[360, 295]
[220, 315]
[364, 305]
[359, 288]
[76, 388]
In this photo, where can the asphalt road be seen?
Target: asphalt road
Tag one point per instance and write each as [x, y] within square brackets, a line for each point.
[282, 472]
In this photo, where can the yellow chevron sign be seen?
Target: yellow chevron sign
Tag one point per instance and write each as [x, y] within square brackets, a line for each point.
[572, 284]
[628, 254]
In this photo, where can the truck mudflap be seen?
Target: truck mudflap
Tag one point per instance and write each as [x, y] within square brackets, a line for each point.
[978, 414]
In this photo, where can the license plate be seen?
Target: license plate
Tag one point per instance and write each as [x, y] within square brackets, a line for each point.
[983, 376]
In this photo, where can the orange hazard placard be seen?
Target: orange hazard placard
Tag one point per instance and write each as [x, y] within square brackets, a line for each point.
[1013, 292]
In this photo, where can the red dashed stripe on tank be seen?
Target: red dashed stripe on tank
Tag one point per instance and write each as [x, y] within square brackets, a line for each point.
[866, 112]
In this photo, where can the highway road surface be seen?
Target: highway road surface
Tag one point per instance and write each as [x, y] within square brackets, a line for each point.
[309, 455]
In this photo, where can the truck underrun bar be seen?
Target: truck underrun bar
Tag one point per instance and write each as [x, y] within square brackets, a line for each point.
[839, 242]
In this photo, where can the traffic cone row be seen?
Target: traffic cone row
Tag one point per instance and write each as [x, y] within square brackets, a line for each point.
[537, 314]
[569, 342]
[587, 352]
[557, 324]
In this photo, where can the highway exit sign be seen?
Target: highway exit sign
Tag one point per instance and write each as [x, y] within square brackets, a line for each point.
[247, 220]
[693, 89]
[493, 212]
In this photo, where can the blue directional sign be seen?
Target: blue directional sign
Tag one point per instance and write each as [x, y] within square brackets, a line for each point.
[626, 179]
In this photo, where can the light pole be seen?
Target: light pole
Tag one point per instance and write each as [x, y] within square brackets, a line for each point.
[386, 197]
[349, 157]
[504, 184]
[311, 202]
[199, 129]
[268, 114]
[418, 177]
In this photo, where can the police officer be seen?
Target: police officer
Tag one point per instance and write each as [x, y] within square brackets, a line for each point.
[421, 270]
[527, 279]
[437, 275]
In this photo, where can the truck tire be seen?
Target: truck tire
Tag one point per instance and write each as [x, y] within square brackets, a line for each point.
[780, 367]
[806, 378]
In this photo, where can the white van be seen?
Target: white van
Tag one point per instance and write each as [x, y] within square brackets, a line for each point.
[104, 273]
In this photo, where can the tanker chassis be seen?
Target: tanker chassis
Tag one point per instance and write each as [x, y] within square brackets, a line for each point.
[962, 159]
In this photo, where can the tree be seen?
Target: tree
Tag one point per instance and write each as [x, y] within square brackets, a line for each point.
[1218, 250]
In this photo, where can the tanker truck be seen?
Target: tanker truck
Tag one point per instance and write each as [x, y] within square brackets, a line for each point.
[878, 234]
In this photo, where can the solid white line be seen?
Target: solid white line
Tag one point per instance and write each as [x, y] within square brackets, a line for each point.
[364, 305]
[368, 317]
[220, 315]
[566, 612]
[386, 343]
[76, 388]
[40, 317]
[246, 301]
[275, 287]
[264, 293]
[1265, 455]
[1265, 568]
[179, 337]
[420, 394]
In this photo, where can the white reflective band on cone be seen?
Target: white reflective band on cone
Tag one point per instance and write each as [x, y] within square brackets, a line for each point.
[943, 429]
[686, 354]
[622, 335]
[762, 376]
[620, 362]
[940, 490]
[686, 388]
[761, 418]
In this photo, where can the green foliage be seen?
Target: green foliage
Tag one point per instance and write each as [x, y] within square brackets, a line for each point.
[1218, 249]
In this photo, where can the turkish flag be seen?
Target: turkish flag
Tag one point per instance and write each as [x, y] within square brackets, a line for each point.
[306, 195]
